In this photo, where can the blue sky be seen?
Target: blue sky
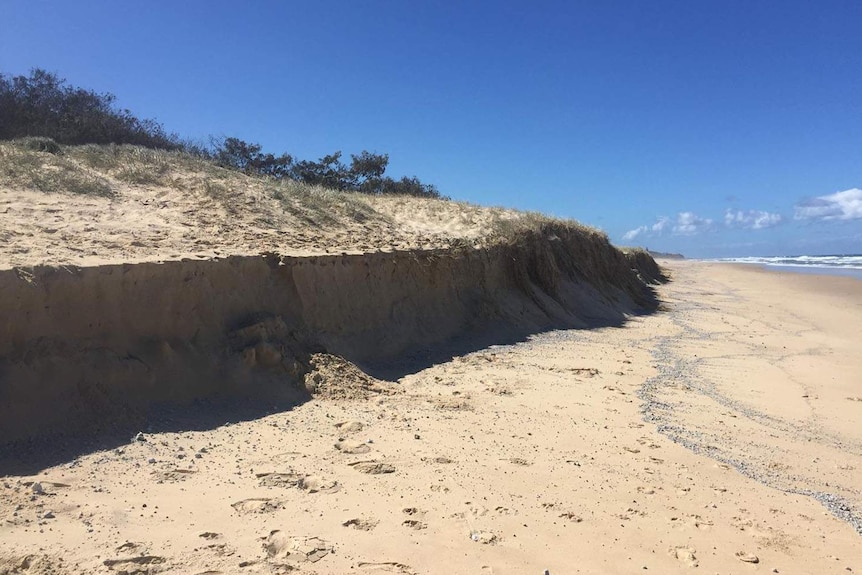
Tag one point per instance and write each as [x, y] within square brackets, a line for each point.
[710, 128]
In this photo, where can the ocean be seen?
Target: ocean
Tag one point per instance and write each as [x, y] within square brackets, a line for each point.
[841, 265]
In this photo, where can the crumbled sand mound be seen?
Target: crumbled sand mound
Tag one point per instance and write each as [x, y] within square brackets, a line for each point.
[333, 377]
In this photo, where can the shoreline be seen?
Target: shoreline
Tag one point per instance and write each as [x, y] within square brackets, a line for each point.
[817, 270]
[673, 366]
[841, 292]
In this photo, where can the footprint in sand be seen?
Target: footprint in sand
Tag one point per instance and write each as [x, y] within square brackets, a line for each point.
[453, 404]
[221, 549]
[172, 475]
[132, 548]
[372, 467]
[386, 567]
[280, 547]
[352, 447]
[256, 505]
[317, 484]
[310, 483]
[361, 524]
[685, 555]
[701, 523]
[284, 479]
[414, 524]
[140, 565]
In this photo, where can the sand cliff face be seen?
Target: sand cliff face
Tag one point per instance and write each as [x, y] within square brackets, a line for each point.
[86, 349]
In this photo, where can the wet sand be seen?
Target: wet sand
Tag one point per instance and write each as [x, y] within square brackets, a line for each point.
[723, 431]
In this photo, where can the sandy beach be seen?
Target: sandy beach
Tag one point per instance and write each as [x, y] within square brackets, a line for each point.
[722, 433]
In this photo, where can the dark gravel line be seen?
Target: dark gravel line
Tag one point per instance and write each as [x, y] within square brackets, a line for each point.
[674, 368]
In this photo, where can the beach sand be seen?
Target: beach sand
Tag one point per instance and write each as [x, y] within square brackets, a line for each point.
[722, 435]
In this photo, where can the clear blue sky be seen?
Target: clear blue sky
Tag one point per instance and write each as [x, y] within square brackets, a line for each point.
[712, 128]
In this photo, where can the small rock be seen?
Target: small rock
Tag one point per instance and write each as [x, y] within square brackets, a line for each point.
[416, 436]
[140, 436]
[48, 515]
[747, 557]
[151, 460]
[349, 426]
[198, 455]
[37, 488]
[483, 537]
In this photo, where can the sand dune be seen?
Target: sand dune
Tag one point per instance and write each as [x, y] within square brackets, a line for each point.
[202, 372]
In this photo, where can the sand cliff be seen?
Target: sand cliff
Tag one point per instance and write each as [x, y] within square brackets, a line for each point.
[94, 348]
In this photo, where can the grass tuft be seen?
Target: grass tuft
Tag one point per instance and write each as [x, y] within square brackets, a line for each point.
[26, 165]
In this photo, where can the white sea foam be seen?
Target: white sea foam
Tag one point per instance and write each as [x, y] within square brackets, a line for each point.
[850, 262]
[844, 265]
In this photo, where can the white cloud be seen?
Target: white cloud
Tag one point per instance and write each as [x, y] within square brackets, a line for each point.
[632, 234]
[689, 224]
[686, 224]
[660, 225]
[846, 205]
[751, 220]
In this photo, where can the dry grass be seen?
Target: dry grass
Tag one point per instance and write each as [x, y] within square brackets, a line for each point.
[208, 205]
[25, 166]
[646, 267]
[320, 206]
[98, 170]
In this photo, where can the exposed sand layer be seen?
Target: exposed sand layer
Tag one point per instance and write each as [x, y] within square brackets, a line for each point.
[104, 348]
[681, 440]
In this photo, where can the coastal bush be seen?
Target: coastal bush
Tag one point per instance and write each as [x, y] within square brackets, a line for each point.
[365, 173]
[43, 105]
[43, 110]
[41, 145]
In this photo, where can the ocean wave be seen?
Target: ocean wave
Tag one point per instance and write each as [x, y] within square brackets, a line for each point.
[848, 262]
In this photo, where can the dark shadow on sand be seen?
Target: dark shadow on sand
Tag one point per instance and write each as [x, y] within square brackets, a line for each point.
[35, 455]
[499, 334]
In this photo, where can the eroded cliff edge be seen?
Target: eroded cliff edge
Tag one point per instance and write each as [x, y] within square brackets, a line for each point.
[84, 350]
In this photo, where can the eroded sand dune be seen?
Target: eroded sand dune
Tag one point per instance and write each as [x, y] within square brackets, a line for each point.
[512, 459]
[463, 390]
